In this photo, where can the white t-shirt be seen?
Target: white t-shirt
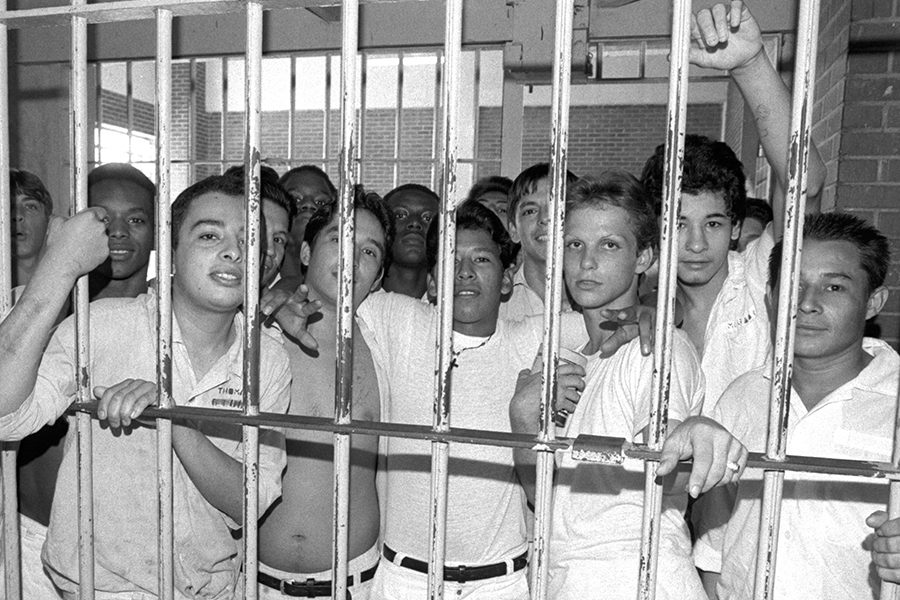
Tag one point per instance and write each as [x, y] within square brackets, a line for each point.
[597, 511]
[738, 335]
[821, 542]
[485, 520]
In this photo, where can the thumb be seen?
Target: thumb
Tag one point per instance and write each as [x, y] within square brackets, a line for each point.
[53, 226]
[99, 390]
[876, 519]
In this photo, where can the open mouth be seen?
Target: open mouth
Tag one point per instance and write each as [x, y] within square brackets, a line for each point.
[228, 278]
[466, 293]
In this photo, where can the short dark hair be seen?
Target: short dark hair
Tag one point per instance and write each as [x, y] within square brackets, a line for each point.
[486, 185]
[269, 188]
[223, 184]
[30, 185]
[526, 182]
[622, 189]
[473, 215]
[315, 171]
[120, 172]
[874, 248]
[709, 166]
[412, 187]
[759, 209]
[361, 200]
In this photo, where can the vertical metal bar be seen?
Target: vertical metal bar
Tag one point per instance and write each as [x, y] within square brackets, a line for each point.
[398, 129]
[166, 547]
[436, 135]
[79, 125]
[559, 142]
[891, 591]
[292, 110]
[223, 116]
[129, 108]
[476, 86]
[10, 548]
[98, 141]
[326, 128]
[662, 355]
[776, 441]
[343, 388]
[364, 59]
[192, 119]
[252, 244]
[440, 451]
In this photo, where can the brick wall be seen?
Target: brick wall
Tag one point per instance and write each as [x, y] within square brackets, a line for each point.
[858, 112]
[607, 137]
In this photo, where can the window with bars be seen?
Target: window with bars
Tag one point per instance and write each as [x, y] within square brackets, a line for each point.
[399, 115]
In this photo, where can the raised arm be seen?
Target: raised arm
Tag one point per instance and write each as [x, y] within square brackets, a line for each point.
[727, 37]
[74, 247]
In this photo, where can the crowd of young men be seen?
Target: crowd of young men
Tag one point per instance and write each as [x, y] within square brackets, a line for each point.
[844, 384]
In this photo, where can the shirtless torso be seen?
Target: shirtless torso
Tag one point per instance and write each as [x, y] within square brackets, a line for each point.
[296, 534]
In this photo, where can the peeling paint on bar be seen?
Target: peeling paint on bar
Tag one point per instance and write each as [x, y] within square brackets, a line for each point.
[776, 443]
[449, 74]
[343, 388]
[252, 260]
[665, 307]
[165, 473]
[553, 283]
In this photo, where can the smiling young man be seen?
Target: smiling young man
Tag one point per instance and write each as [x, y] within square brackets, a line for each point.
[528, 214]
[414, 206]
[129, 199]
[842, 406]
[485, 519]
[207, 292]
[296, 535]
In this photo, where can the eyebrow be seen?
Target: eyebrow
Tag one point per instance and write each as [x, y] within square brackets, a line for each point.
[377, 243]
[204, 222]
[838, 275]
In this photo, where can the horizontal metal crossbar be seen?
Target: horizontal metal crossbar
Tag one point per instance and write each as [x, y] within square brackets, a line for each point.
[587, 448]
[136, 10]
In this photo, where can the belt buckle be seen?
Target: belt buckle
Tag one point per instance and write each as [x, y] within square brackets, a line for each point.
[461, 569]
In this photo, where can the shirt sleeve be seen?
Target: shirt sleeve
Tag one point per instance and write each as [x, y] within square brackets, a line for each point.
[711, 513]
[756, 257]
[54, 390]
[686, 385]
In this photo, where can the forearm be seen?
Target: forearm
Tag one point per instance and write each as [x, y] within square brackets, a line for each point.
[218, 476]
[526, 465]
[770, 103]
[24, 334]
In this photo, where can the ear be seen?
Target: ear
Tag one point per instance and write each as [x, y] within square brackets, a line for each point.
[644, 260]
[506, 281]
[513, 231]
[736, 230]
[305, 253]
[876, 302]
[377, 283]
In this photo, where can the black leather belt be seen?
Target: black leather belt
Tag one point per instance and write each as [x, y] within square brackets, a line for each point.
[311, 588]
[462, 573]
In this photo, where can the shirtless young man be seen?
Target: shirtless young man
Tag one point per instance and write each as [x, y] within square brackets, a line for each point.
[296, 535]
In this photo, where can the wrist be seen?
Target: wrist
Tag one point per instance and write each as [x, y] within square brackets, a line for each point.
[752, 67]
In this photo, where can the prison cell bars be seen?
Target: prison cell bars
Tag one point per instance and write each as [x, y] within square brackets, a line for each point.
[562, 67]
[665, 307]
[346, 260]
[165, 474]
[441, 432]
[10, 515]
[440, 450]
